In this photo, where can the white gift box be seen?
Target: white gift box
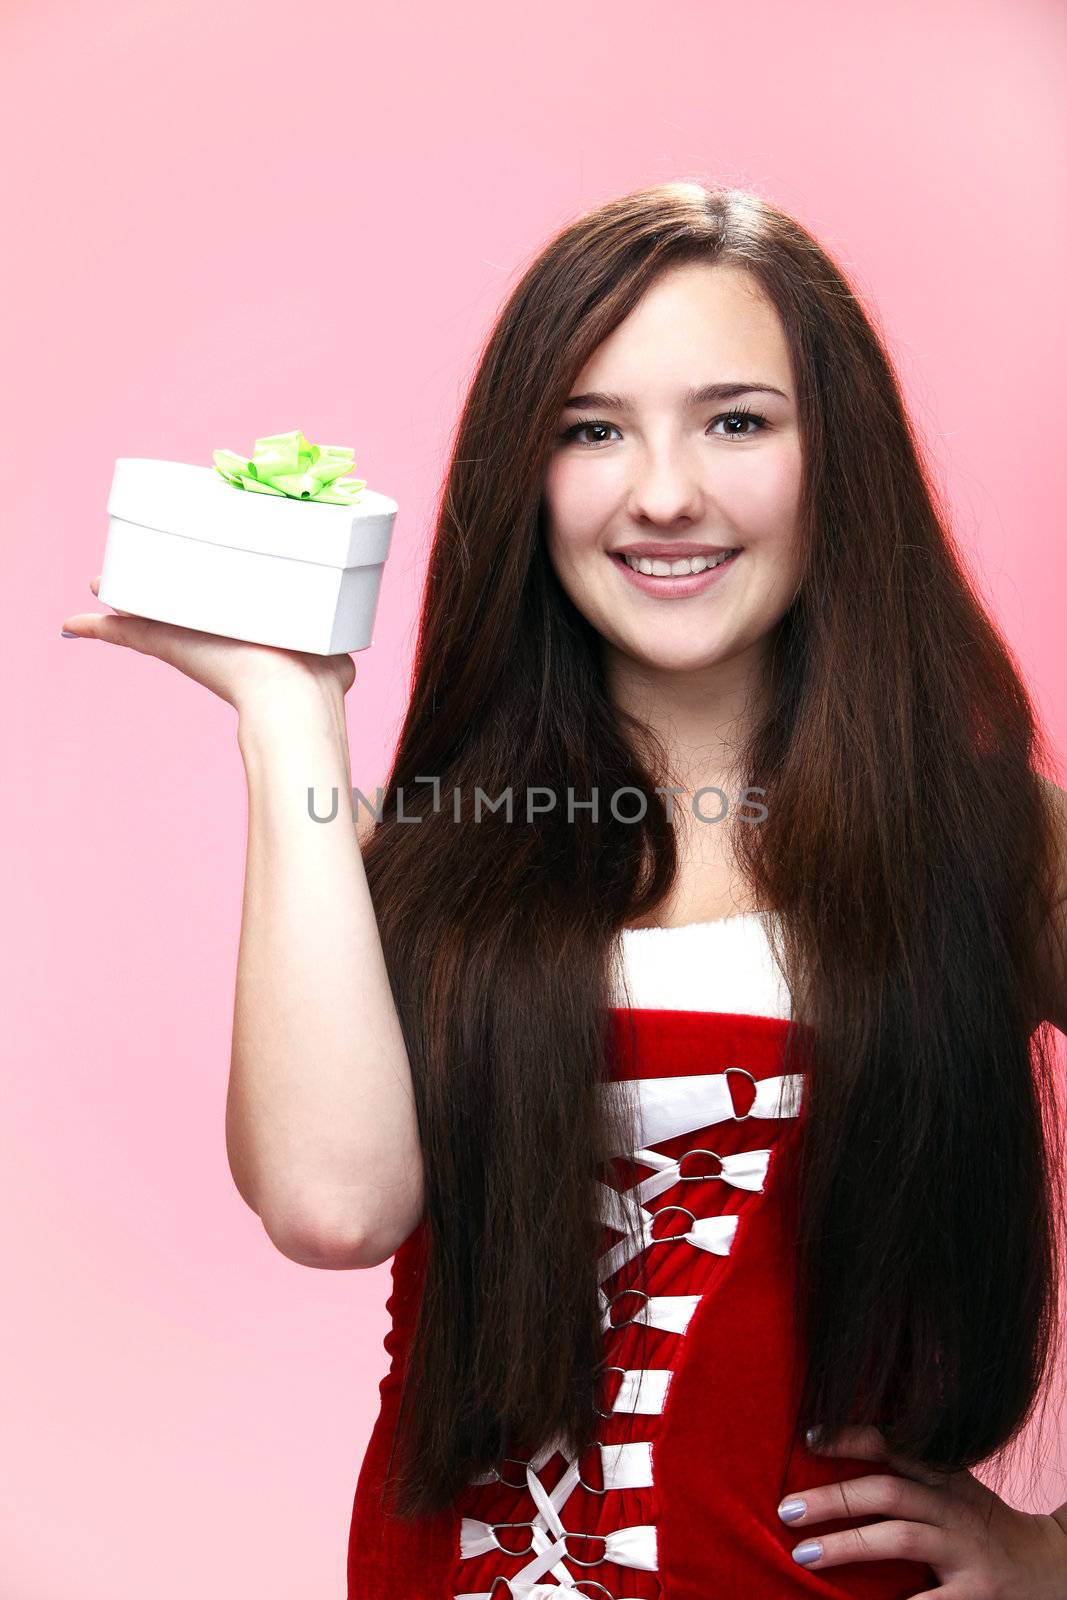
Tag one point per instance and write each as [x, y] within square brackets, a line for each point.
[186, 546]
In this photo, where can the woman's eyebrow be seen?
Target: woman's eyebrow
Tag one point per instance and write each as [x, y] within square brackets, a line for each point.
[693, 397]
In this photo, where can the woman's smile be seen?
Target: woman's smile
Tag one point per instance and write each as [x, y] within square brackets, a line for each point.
[666, 584]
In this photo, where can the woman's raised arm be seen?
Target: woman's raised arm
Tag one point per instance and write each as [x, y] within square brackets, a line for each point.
[321, 1130]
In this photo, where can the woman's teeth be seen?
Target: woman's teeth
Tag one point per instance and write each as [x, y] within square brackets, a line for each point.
[676, 569]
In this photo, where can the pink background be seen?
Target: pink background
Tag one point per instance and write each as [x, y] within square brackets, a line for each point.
[229, 219]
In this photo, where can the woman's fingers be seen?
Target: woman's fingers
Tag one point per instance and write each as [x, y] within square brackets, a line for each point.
[234, 669]
[86, 624]
[113, 627]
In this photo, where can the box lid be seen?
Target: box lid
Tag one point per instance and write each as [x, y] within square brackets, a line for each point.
[198, 503]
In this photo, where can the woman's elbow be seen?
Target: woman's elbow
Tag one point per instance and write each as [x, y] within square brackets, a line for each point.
[308, 1236]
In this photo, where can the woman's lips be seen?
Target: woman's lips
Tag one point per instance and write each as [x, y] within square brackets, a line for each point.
[676, 588]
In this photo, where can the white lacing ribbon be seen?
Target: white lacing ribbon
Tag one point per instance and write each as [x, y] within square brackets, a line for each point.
[667, 1107]
[743, 1169]
[707, 1233]
[643, 1390]
[671, 1313]
[626, 1547]
[622, 1466]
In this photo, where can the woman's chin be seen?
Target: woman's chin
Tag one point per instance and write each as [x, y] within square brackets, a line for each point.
[654, 658]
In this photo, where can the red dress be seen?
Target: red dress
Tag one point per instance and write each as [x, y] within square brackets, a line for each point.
[678, 1498]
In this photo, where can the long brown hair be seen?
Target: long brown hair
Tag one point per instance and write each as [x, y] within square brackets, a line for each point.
[908, 848]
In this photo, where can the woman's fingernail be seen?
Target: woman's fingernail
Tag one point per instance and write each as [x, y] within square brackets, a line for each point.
[66, 634]
[807, 1552]
[792, 1510]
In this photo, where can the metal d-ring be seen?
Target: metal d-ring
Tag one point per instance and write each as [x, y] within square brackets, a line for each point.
[755, 1090]
[518, 1461]
[569, 1533]
[529, 1548]
[611, 1367]
[628, 1321]
[698, 1177]
[668, 1238]
[592, 1488]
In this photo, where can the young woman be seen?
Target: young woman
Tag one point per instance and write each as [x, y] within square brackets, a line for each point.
[704, 1092]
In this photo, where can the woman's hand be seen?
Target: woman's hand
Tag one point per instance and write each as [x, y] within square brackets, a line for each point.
[979, 1547]
[234, 670]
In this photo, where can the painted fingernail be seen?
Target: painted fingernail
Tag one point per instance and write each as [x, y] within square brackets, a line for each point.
[792, 1510]
[66, 634]
[808, 1552]
[813, 1435]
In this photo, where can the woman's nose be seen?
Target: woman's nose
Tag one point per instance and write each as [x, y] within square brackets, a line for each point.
[666, 491]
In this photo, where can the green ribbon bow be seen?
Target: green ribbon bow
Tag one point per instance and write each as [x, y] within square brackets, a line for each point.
[286, 464]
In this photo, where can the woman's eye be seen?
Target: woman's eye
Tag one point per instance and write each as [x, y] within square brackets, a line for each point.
[583, 427]
[750, 423]
[741, 416]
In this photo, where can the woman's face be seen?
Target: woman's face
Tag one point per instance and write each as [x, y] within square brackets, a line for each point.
[651, 469]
